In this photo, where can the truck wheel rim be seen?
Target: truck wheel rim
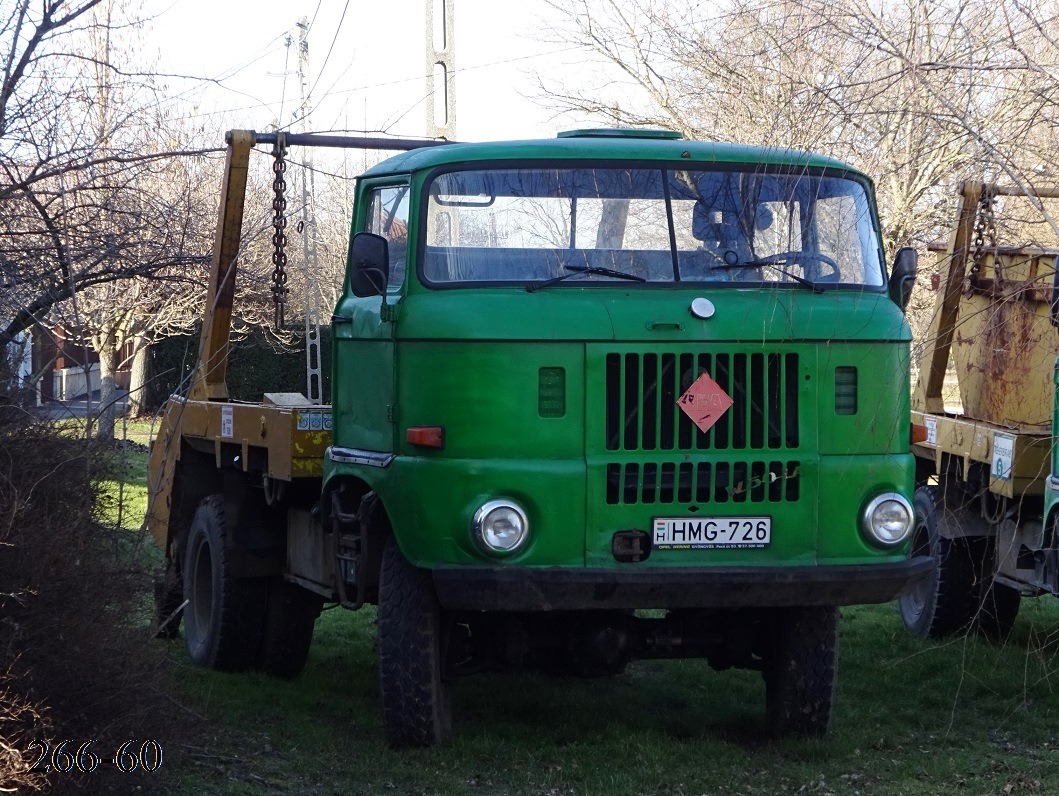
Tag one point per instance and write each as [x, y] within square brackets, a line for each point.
[202, 590]
[916, 600]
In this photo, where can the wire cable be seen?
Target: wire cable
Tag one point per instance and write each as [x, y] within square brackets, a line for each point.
[331, 49]
[315, 14]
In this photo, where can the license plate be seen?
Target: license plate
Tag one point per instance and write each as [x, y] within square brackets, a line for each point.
[685, 533]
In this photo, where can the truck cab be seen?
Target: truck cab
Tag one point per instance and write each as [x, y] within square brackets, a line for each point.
[616, 371]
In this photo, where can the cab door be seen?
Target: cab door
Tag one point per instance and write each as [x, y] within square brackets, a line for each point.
[363, 381]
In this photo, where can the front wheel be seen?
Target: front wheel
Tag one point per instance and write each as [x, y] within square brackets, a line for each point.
[416, 701]
[944, 603]
[800, 669]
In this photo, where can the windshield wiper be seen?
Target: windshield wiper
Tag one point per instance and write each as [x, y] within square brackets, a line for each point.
[773, 263]
[584, 269]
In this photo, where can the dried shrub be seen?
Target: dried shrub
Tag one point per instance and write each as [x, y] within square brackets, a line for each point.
[20, 723]
[76, 655]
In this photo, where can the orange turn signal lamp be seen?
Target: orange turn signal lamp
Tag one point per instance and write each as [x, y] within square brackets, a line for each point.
[426, 436]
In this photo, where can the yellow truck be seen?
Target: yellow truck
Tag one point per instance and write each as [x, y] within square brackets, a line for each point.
[986, 480]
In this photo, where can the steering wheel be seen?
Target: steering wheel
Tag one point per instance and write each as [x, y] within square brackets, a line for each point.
[832, 275]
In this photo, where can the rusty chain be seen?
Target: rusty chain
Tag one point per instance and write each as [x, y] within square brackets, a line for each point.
[279, 225]
[985, 227]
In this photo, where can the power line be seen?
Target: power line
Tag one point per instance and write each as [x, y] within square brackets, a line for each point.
[227, 74]
[331, 93]
[315, 13]
[330, 49]
[267, 49]
[387, 125]
[263, 51]
[456, 71]
[283, 93]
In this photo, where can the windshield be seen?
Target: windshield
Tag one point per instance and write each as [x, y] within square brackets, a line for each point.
[726, 226]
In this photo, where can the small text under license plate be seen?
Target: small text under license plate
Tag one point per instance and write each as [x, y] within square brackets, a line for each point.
[683, 533]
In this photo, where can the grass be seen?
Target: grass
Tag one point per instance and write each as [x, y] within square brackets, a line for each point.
[139, 431]
[962, 717]
[125, 490]
[959, 717]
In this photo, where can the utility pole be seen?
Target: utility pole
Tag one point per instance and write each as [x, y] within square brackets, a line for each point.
[313, 373]
[441, 70]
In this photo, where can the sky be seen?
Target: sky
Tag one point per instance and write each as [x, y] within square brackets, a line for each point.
[367, 64]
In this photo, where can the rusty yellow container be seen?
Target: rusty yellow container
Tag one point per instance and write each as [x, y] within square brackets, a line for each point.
[1004, 345]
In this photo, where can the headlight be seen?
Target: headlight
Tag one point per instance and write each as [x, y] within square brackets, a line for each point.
[888, 520]
[500, 527]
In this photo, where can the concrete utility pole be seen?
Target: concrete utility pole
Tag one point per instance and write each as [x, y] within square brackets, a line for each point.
[441, 70]
[313, 373]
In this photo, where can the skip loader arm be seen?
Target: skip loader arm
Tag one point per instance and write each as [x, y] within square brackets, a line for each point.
[927, 395]
[211, 368]
[221, 432]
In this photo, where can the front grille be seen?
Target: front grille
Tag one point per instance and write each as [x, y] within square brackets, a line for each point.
[642, 392]
[703, 482]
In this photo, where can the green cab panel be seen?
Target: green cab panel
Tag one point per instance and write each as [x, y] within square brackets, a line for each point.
[655, 313]
[863, 407]
[488, 397]
[648, 460]
[431, 504]
[583, 427]
[362, 379]
[848, 484]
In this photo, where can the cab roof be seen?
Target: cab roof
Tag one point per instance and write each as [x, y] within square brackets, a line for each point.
[602, 145]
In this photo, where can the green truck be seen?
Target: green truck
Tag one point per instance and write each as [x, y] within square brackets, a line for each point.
[607, 397]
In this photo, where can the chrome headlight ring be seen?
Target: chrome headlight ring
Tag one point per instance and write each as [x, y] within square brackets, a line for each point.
[500, 527]
[888, 520]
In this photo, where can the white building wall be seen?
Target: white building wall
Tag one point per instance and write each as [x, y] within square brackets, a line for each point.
[70, 382]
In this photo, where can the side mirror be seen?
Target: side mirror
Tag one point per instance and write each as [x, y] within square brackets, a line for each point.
[369, 264]
[903, 276]
[1055, 294]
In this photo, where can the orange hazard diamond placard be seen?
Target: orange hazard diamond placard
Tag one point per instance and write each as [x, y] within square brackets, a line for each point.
[704, 402]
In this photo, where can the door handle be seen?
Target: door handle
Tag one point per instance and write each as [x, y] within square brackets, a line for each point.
[337, 319]
[655, 325]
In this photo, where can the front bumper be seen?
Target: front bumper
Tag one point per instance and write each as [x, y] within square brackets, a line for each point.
[568, 588]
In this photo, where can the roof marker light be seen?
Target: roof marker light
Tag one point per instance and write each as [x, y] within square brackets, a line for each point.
[620, 132]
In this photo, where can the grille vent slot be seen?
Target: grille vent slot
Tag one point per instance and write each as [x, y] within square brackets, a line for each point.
[551, 392]
[845, 391]
[642, 413]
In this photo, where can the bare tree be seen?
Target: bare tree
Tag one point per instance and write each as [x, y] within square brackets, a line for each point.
[106, 215]
[917, 93]
[69, 146]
